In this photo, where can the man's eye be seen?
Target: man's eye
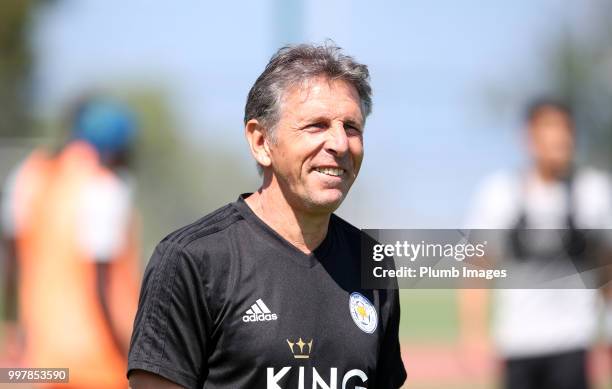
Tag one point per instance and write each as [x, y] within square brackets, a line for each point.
[351, 128]
[318, 125]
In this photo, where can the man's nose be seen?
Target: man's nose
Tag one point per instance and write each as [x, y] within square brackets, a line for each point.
[337, 140]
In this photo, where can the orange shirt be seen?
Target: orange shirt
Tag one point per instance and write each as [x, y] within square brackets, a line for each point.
[59, 305]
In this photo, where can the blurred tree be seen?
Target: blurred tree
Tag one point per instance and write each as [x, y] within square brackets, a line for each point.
[179, 181]
[16, 63]
[580, 64]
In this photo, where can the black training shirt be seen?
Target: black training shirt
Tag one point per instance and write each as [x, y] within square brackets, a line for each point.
[226, 302]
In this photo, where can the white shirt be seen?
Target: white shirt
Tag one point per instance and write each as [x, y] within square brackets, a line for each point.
[529, 322]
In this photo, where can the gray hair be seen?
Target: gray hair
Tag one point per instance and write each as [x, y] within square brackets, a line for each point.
[291, 66]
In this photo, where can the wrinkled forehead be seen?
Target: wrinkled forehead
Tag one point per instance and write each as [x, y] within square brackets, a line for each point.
[322, 96]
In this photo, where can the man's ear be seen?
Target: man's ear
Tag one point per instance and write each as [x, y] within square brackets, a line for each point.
[256, 136]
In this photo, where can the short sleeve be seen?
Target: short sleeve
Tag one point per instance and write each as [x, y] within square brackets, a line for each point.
[103, 217]
[494, 204]
[172, 324]
[391, 373]
[594, 196]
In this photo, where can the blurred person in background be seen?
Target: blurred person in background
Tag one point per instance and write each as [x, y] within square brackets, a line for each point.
[70, 232]
[543, 335]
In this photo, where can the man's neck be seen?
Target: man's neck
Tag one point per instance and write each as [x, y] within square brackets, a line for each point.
[549, 176]
[304, 230]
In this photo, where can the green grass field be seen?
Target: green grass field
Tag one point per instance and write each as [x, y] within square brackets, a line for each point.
[428, 315]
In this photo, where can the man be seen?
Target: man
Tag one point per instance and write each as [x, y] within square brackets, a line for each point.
[542, 334]
[69, 227]
[265, 292]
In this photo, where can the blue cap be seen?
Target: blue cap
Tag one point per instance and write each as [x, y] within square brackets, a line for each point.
[108, 126]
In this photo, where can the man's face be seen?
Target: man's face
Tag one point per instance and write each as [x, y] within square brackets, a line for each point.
[317, 146]
[552, 141]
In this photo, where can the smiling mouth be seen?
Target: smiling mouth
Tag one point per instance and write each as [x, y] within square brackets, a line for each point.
[330, 171]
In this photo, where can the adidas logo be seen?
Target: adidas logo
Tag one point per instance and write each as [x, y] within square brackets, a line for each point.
[259, 312]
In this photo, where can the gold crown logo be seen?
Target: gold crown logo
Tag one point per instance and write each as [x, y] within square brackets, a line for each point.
[299, 352]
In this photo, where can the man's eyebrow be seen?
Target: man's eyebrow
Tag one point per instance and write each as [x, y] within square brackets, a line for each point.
[314, 119]
[354, 123]
[325, 119]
